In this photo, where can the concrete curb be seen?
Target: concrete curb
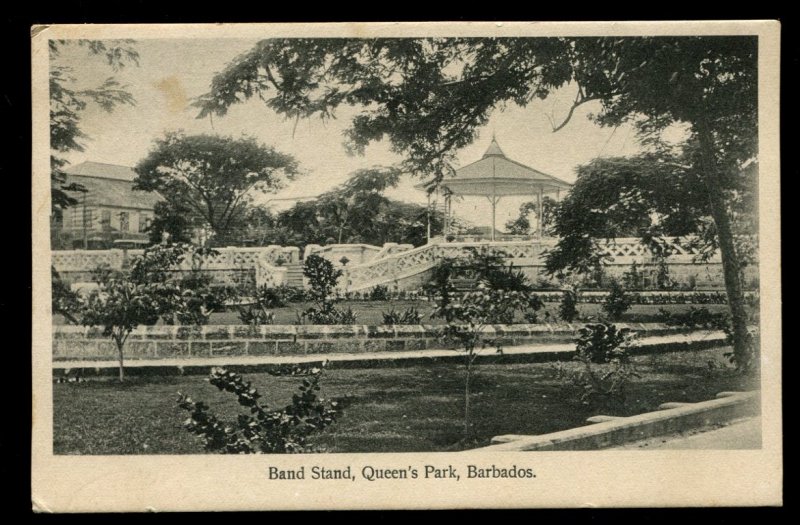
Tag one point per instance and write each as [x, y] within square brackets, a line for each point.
[611, 432]
[275, 364]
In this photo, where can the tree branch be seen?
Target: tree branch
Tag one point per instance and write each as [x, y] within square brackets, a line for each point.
[580, 99]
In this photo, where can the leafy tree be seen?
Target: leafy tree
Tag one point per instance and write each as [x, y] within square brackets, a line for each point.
[212, 176]
[322, 278]
[466, 320]
[429, 96]
[68, 102]
[119, 306]
[65, 302]
[522, 225]
[173, 219]
[358, 211]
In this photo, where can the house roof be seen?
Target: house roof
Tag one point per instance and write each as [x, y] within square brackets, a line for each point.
[110, 185]
[102, 170]
[496, 174]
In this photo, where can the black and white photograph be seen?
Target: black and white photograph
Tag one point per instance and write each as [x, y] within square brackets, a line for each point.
[406, 265]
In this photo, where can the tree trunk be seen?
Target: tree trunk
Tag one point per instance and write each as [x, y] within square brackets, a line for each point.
[466, 397]
[730, 259]
[121, 364]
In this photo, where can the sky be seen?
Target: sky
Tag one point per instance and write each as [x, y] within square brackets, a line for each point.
[172, 72]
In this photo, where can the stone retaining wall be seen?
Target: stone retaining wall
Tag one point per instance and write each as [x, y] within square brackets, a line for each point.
[158, 342]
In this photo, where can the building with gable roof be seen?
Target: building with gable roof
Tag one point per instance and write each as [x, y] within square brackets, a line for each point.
[109, 213]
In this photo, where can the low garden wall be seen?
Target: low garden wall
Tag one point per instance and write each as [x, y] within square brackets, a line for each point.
[158, 342]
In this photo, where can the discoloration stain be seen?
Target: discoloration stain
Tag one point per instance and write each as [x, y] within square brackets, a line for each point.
[35, 30]
[173, 91]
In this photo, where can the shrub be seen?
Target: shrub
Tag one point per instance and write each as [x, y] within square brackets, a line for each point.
[491, 270]
[663, 279]
[633, 278]
[255, 315]
[440, 287]
[326, 313]
[696, 318]
[603, 368]
[271, 297]
[603, 342]
[466, 320]
[616, 302]
[198, 299]
[260, 430]
[322, 276]
[407, 316]
[379, 293]
[568, 309]
[534, 304]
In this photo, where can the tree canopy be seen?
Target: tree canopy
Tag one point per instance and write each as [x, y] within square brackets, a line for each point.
[67, 103]
[359, 211]
[522, 224]
[213, 176]
[428, 97]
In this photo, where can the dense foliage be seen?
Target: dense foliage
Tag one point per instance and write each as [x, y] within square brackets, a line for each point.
[213, 177]
[322, 278]
[428, 97]
[260, 430]
[616, 302]
[68, 102]
[357, 212]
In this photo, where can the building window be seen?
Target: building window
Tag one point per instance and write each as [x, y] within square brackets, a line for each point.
[124, 221]
[76, 218]
[88, 218]
[105, 219]
[144, 222]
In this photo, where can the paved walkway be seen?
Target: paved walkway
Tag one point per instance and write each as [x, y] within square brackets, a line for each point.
[543, 348]
[736, 435]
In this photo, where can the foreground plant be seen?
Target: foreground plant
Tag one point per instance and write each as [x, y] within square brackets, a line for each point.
[280, 431]
[467, 320]
[603, 369]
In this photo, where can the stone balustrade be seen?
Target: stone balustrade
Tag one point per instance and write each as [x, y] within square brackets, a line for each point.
[407, 269]
[355, 253]
[403, 267]
[264, 265]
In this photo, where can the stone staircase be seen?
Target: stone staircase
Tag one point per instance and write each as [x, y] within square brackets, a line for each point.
[294, 275]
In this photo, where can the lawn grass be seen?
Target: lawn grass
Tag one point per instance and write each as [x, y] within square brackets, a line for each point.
[384, 410]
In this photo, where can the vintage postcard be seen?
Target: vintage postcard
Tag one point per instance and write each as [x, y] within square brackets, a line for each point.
[406, 266]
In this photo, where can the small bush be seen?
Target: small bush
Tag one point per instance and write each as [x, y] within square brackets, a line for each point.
[633, 278]
[260, 430]
[568, 309]
[603, 342]
[271, 297]
[535, 304]
[326, 313]
[696, 318]
[254, 315]
[617, 301]
[379, 293]
[604, 369]
[322, 276]
[407, 316]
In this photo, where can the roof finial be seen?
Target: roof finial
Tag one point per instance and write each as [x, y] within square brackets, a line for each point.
[494, 148]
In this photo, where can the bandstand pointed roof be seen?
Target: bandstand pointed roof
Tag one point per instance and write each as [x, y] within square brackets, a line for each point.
[496, 174]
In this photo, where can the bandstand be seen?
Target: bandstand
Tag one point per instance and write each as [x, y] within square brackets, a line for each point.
[495, 176]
